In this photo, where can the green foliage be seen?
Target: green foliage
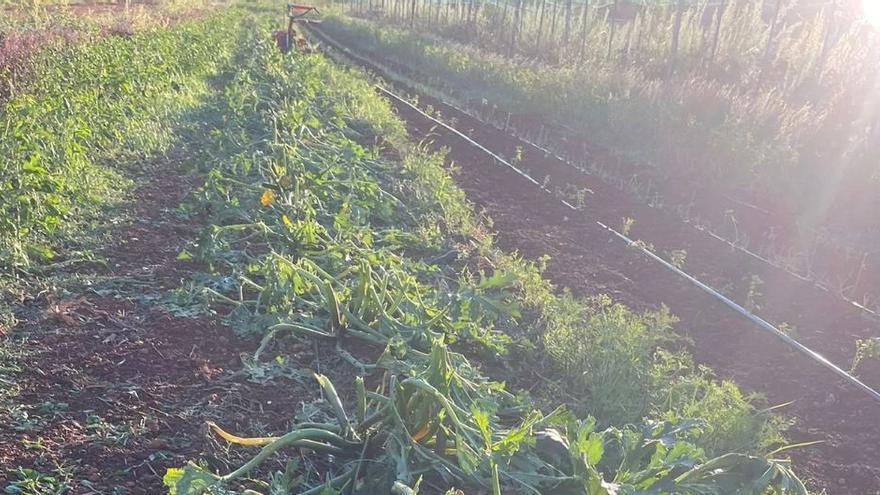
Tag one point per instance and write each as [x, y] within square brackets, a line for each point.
[33, 482]
[318, 234]
[612, 362]
[609, 353]
[187, 480]
[90, 104]
[732, 420]
[329, 224]
[868, 348]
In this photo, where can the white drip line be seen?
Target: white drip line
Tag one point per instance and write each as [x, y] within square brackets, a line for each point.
[866, 311]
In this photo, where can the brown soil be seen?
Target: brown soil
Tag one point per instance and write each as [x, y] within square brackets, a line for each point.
[587, 259]
[115, 389]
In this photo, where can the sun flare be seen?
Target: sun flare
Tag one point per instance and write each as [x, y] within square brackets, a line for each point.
[871, 11]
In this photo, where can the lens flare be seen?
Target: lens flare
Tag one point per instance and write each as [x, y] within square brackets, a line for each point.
[871, 11]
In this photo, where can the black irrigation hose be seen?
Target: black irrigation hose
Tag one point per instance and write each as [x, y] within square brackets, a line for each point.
[868, 312]
[757, 320]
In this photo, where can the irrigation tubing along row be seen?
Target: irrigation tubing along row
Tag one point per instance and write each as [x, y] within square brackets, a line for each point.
[867, 312]
[757, 320]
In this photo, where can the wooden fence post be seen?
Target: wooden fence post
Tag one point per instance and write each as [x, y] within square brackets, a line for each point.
[584, 30]
[412, 15]
[629, 32]
[540, 26]
[643, 19]
[719, 16]
[513, 24]
[676, 32]
[567, 32]
[611, 16]
[774, 24]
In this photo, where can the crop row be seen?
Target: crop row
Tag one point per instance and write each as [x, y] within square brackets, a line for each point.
[330, 226]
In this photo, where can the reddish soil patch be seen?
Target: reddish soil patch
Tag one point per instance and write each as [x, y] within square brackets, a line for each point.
[588, 260]
[115, 390]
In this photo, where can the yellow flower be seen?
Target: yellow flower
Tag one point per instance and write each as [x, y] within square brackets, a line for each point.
[287, 222]
[267, 197]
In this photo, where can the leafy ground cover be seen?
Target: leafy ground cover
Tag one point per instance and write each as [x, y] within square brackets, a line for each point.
[104, 367]
[373, 310]
[329, 226]
[93, 103]
[66, 134]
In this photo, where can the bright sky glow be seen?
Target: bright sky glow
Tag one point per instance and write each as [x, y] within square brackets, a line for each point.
[871, 10]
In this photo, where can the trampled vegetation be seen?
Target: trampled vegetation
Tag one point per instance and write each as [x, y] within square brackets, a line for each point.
[333, 226]
[445, 363]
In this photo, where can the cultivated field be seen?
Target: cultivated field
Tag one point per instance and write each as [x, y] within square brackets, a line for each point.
[230, 267]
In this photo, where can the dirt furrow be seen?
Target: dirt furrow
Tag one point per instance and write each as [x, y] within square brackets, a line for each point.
[116, 386]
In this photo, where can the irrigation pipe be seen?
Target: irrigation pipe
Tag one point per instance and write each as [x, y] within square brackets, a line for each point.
[701, 228]
[757, 320]
[868, 312]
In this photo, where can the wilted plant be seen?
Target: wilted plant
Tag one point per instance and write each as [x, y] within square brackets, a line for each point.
[320, 237]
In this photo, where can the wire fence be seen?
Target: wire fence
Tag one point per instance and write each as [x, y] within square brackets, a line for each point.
[670, 35]
[777, 103]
